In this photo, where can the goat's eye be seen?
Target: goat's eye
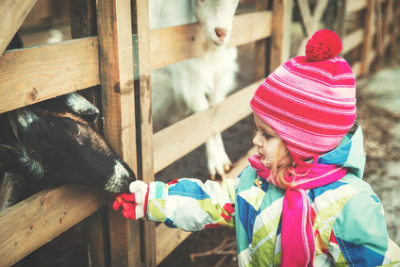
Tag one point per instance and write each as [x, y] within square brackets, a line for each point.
[77, 131]
[33, 154]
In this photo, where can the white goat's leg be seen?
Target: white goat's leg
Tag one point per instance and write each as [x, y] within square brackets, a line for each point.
[226, 162]
[215, 162]
[198, 102]
[223, 86]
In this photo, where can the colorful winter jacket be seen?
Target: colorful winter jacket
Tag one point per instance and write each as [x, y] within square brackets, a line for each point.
[348, 220]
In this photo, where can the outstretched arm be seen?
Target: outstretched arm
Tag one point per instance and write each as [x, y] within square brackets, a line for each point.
[185, 203]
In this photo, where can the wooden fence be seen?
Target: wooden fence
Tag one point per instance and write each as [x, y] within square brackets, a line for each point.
[102, 58]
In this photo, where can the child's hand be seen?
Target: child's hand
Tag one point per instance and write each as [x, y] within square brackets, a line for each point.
[134, 204]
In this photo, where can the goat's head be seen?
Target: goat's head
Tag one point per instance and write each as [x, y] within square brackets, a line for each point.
[216, 17]
[55, 145]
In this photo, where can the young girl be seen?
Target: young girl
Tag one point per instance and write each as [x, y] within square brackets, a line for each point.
[302, 200]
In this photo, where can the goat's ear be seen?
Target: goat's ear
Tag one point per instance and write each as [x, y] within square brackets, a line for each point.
[81, 106]
[21, 119]
[16, 159]
[74, 103]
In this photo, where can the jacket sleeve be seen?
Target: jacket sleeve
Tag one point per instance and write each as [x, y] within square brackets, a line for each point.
[192, 205]
[360, 232]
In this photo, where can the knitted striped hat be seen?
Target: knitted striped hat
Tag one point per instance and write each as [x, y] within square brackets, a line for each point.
[310, 100]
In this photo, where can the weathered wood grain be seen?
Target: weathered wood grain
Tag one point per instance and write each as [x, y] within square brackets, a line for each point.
[118, 101]
[35, 221]
[12, 15]
[28, 76]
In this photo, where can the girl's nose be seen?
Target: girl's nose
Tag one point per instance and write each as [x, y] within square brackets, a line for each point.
[257, 140]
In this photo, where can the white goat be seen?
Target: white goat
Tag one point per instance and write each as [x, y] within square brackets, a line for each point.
[196, 84]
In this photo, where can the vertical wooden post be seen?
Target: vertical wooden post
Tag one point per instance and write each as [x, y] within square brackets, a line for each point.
[83, 18]
[146, 122]
[117, 83]
[379, 32]
[83, 24]
[280, 38]
[310, 20]
[395, 34]
[261, 49]
[341, 24]
[97, 247]
[369, 36]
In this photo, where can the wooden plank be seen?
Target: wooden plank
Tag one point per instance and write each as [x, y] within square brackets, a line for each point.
[341, 19]
[280, 42]
[117, 82]
[379, 28]
[146, 123]
[35, 221]
[83, 18]
[355, 6]
[352, 40]
[368, 37]
[12, 15]
[306, 17]
[40, 13]
[395, 32]
[387, 16]
[356, 67]
[28, 76]
[173, 44]
[311, 22]
[193, 131]
[261, 48]
[244, 31]
[84, 24]
[96, 234]
[169, 238]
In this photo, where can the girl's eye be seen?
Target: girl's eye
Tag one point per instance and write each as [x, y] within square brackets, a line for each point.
[266, 135]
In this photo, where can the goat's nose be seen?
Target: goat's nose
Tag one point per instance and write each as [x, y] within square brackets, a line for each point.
[221, 33]
[119, 181]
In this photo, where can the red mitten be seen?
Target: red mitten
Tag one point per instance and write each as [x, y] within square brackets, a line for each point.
[134, 204]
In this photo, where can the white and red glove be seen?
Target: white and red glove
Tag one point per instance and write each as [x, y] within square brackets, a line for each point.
[134, 204]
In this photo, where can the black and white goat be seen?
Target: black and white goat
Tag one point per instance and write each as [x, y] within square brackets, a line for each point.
[196, 84]
[53, 143]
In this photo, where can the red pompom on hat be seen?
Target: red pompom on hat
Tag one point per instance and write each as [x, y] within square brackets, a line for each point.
[324, 44]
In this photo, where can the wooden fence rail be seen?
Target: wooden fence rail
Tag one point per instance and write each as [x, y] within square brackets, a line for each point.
[38, 219]
[31, 75]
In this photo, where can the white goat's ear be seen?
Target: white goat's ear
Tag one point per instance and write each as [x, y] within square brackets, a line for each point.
[81, 106]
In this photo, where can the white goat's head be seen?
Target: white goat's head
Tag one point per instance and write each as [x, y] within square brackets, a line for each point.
[216, 17]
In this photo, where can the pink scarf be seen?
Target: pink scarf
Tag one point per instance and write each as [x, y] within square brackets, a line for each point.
[297, 238]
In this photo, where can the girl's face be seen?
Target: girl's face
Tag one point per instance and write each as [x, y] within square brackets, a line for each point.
[267, 142]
